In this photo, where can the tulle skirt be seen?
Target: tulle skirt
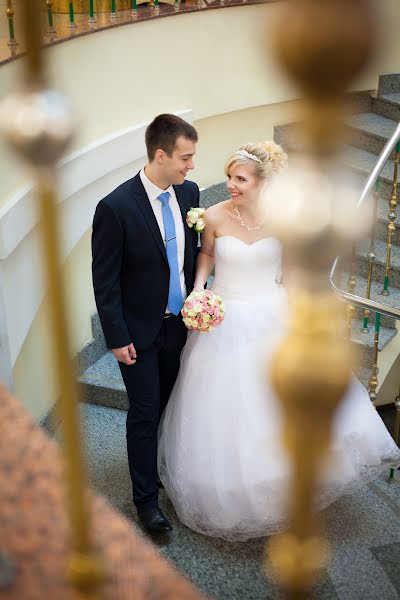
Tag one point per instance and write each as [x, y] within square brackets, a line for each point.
[221, 459]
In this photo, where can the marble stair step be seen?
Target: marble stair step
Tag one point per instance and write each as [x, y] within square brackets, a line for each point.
[358, 161]
[102, 383]
[370, 131]
[213, 194]
[393, 98]
[366, 130]
[363, 162]
[387, 105]
[389, 83]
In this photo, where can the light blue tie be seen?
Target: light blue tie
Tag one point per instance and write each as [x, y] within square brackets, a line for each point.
[175, 300]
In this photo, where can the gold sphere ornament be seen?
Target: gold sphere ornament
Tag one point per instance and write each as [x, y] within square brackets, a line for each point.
[324, 44]
[38, 125]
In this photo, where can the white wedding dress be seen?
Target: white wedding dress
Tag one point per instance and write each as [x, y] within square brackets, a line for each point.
[221, 458]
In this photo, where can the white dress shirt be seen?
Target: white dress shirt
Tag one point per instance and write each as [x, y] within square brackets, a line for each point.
[153, 192]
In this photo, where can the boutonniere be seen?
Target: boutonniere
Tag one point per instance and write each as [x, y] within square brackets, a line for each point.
[194, 218]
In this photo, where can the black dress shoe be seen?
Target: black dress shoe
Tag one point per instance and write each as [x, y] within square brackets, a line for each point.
[153, 520]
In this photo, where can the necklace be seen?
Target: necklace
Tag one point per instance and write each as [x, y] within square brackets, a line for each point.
[243, 224]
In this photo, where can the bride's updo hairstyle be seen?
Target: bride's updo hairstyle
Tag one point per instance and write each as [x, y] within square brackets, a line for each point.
[267, 158]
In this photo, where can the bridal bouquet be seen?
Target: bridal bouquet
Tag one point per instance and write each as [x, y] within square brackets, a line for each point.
[203, 311]
[194, 218]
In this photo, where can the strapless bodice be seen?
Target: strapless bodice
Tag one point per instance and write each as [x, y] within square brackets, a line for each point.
[246, 270]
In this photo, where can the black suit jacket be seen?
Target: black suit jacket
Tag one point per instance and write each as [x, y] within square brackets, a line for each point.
[130, 267]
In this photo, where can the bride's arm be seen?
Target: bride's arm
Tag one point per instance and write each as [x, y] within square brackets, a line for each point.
[205, 259]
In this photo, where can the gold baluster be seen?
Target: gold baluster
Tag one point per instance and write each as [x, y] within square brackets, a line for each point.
[310, 372]
[397, 421]
[323, 45]
[12, 42]
[113, 13]
[134, 11]
[391, 225]
[371, 257]
[351, 285]
[72, 24]
[92, 18]
[42, 150]
[51, 31]
[373, 380]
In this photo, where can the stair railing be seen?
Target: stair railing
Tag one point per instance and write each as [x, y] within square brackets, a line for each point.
[347, 295]
[366, 303]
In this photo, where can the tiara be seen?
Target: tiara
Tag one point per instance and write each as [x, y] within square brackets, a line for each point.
[248, 155]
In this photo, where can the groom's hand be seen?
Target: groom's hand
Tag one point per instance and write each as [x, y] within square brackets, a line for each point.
[126, 355]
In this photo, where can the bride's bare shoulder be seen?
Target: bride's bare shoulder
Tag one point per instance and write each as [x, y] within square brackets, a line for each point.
[214, 214]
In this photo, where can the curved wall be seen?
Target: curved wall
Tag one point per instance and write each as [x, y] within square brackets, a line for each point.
[117, 81]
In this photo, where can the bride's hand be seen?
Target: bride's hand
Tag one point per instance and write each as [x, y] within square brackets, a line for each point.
[198, 288]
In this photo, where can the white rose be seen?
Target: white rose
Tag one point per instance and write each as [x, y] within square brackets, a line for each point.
[200, 224]
[192, 216]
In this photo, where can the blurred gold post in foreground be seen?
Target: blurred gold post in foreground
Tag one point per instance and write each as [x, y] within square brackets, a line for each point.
[322, 45]
[38, 126]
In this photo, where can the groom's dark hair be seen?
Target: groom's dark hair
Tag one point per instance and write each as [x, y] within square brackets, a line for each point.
[163, 132]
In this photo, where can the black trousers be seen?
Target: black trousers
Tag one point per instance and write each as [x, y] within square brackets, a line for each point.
[149, 383]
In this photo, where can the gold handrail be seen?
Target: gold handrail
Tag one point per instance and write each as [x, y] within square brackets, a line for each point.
[361, 302]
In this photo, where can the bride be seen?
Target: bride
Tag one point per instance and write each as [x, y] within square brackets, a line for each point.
[220, 456]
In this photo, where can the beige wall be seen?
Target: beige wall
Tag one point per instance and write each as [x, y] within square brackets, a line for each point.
[34, 384]
[389, 371]
[390, 388]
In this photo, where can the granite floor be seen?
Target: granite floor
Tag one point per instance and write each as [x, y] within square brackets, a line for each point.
[363, 530]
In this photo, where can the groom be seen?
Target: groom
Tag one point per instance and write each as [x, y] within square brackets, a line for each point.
[143, 268]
